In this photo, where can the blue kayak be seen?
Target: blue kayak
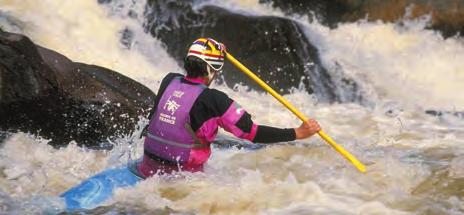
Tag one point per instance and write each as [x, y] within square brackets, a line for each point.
[100, 187]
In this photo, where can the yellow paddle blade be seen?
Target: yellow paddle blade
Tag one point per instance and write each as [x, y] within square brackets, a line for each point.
[292, 108]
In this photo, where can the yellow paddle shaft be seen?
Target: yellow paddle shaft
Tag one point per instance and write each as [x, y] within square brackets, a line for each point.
[292, 108]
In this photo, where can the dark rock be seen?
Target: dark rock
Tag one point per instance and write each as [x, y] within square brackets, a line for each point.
[327, 12]
[447, 15]
[178, 25]
[45, 93]
[273, 47]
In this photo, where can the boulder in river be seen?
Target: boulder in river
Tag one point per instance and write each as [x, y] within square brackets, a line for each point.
[447, 16]
[44, 93]
[275, 48]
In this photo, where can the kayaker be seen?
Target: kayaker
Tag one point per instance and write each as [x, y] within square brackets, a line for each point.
[187, 114]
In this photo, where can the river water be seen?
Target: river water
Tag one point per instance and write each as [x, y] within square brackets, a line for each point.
[415, 161]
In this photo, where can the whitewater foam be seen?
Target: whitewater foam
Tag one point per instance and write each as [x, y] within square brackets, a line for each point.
[403, 147]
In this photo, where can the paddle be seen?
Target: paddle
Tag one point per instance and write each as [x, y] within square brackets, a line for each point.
[289, 106]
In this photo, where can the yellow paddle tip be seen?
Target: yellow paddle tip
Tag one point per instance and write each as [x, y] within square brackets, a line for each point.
[362, 169]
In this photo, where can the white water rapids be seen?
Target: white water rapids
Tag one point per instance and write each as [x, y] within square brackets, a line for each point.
[415, 161]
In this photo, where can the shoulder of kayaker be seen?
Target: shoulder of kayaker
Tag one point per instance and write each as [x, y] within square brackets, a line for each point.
[233, 118]
[227, 113]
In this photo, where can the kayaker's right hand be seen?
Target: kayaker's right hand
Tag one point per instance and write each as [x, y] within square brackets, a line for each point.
[307, 129]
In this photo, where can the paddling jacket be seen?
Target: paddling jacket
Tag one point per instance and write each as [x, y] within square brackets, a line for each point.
[209, 110]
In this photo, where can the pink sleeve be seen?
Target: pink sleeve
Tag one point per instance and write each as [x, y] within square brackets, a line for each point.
[231, 117]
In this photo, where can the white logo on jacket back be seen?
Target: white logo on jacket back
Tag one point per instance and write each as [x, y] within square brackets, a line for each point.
[171, 106]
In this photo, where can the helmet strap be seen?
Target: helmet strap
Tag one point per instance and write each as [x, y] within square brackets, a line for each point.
[211, 74]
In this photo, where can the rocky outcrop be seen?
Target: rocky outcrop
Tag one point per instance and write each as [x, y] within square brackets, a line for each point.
[273, 47]
[45, 93]
[327, 12]
[269, 46]
[447, 16]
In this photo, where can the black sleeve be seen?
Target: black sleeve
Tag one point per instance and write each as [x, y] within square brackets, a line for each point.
[210, 103]
[264, 134]
[218, 103]
[214, 103]
[267, 134]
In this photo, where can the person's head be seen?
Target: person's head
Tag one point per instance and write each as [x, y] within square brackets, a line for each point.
[205, 58]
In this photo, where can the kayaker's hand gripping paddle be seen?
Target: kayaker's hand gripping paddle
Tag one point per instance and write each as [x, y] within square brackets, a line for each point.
[289, 106]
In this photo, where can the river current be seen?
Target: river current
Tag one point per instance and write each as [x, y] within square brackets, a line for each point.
[415, 160]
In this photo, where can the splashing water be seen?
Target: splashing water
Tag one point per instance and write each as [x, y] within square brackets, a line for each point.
[415, 161]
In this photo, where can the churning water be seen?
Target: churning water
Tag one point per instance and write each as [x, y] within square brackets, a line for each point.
[415, 161]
